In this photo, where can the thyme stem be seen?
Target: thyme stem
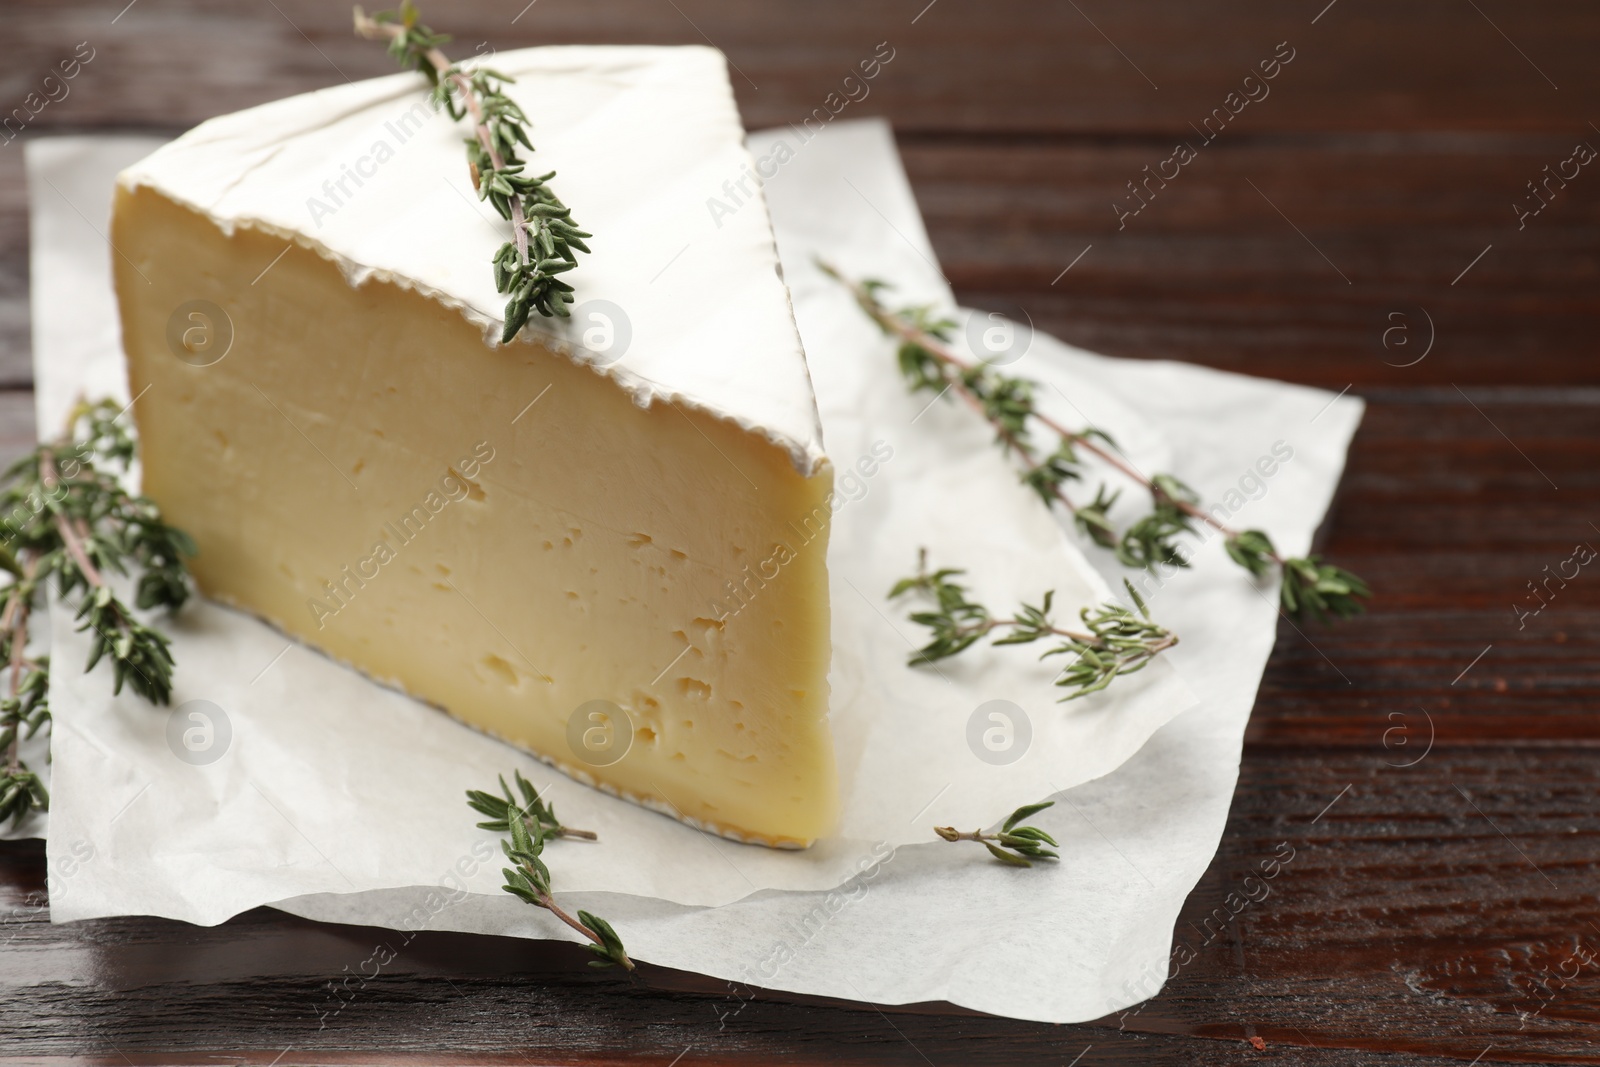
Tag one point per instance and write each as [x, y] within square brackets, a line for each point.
[1007, 437]
[68, 517]
[72, 536]
[1117, 641]
[619, 956]
[15, 623]
[928, 362]
[580, 835]
[983, 628]
[898, 327]
[374, 30]
[545, 241]
[532, 822]
[1014, 845]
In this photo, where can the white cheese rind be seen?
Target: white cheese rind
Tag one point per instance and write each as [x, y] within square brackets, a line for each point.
[642, 139]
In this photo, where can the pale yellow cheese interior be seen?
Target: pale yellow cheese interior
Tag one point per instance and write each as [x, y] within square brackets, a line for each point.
[363, 449]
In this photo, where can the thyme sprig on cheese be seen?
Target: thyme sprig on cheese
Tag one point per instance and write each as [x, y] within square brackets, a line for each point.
[1017, 846]
[544, 240]
[532, 823]
[1117, 641]
[1311, 587]
[64, 515]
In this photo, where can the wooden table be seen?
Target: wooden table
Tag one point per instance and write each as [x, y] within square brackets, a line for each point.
[1353, 229]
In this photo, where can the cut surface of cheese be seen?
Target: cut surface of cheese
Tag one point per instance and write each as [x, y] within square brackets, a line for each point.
[604, 542]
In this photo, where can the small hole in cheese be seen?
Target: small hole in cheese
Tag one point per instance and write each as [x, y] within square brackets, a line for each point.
[474, 490]
[501, 669]
[694, 689]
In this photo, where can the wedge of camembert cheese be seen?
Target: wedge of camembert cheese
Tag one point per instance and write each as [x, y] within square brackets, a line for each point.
[603, 542]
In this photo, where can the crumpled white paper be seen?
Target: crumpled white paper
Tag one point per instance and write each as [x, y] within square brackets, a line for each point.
[314, 779]
[133, 836]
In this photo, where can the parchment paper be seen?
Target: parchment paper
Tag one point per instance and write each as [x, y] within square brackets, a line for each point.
[888, 920]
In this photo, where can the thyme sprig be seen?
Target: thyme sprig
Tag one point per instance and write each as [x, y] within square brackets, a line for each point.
[1015, 845]
[531, 824]
[22, 714]
[64, 514]
[1311, 587]
[1118, 642]
[499, 808]
[544, 238]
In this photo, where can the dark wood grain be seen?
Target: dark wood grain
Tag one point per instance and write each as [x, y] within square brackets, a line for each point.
[1425, 906]
[1211, 271]
[1002, 67]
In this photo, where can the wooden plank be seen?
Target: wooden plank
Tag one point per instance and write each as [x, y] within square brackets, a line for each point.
[15, 343]
[16, 425]
[1446, 510]
[1330, 262]
[1003, 67]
